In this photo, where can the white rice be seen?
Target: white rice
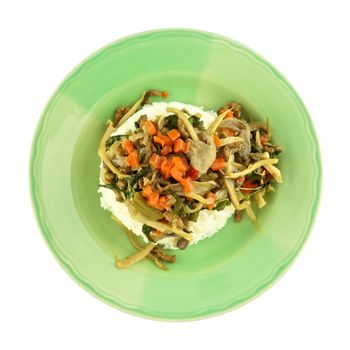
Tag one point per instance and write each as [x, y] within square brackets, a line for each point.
[209, 221]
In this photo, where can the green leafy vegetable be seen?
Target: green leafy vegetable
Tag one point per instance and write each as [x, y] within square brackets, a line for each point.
[171, 121]
[132, 182]
[146, 229]
[254, 176]
[112, 186]
[114, 138]
[139, 175]
[222, 205]
[196, 122]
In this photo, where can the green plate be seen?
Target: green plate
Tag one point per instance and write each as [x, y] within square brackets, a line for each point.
[219, 273]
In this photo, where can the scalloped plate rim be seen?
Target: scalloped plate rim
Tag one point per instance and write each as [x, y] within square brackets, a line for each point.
[89, 286]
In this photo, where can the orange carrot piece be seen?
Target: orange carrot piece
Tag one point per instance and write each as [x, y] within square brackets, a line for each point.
[217, 141]
[158, 234]
[211, 197]
[187, 184]
[162, 159]
[154, 161]
[147, 191]
[179, 168]
[179, 146]
[180, 164]
[248, 187]
[158, 139]
[165, 168]
[229, 114]
[165, 94]
[128, 146]
[264, 138]
[150, 127]
[187, 147]
[133, 159]
[176, 174]
[219, 163]
[152, 199]
[228, 132]
[162, 139]
[167, 140]
[240, 180]
[173, 134]
[166, 150]
[163, 203]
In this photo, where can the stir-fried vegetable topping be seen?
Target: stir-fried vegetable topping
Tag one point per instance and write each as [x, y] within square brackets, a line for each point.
[171, 168]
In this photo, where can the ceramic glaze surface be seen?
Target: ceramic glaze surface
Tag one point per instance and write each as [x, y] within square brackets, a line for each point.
[220, 273]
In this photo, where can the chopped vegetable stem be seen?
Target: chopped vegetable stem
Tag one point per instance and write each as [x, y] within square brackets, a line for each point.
[252, 167]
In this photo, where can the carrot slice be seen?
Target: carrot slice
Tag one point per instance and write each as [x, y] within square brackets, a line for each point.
[167, 140]
[158, 139]
[229, 114]
[211, 197]
[248, 186]
[165, 94]
[162, 159]
[154, 161]
[264, 138]
[165, 168]
[187, 147]
[158, 234]
[240, 180]
[180, 164]
[187, 184]
[132, 160]
[176, 174]
[166, 150]
[228, 132]
[152, 199]
[147, 191]
[162, 139]
[217, 141]
[173, 134]
[128, 146]
[219, 163]
[163, 203]
[150, 127]
[179, 146]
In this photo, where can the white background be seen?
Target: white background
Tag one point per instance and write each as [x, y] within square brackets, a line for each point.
[41, 307]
